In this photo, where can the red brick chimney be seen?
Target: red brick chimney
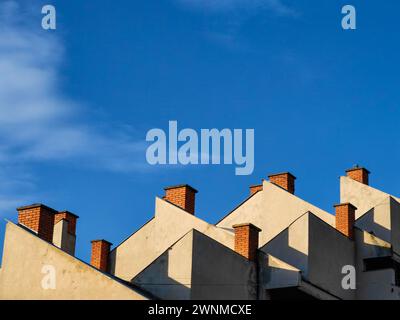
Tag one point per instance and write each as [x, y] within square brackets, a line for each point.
[345, 219]
[246, 240]
[38, 218]
[359, 174]
[183, 196]
[100, 253]
[70, 217]
[254, 189]
[284, 180]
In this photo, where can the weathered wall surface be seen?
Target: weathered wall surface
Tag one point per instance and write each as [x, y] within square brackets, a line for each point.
[383, 221]
[170, 275]
[197, 267]
[364, 197]
[318, 250]
[169, 224]
[135, 253]
[377, 220]
[379, 284]
[24, 257]
[272, 210]
[220, 273]
[275, 273]
[329, 252]
[62, 238]
[291, 245]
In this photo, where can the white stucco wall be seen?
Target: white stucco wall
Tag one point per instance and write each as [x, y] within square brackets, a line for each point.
[272, 210]
[24, 257]
[291, 245]
[362, 196]
[219, 273]
[329, 252]
[373, 285]
[200, 268]
[170, 275]
[169, 224]
[275, 273]
[384, 221]
[318, 250]
[378, 285]
[62, 238]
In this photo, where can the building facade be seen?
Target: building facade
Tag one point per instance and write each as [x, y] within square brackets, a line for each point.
[272, 246]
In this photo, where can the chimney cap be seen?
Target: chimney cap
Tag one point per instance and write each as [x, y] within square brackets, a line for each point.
[282, 173]
[36, 205]
[181, 186]
[68, 212]
[345, 204]
[246, 225]
[102, 240]
[357, 167]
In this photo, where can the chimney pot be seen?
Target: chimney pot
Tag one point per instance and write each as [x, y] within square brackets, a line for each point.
[100, 253]
[246, 240]
[284, 180]
[345, 219]
[38, 218]
[183, 196]
[359, 174]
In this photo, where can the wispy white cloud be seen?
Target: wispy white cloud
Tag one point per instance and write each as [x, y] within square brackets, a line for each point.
[216, 6]
[225, 18]
[38, 123]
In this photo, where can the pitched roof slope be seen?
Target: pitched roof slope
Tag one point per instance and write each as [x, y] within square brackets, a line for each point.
[272, 210]
[29, 263]
[169, 225]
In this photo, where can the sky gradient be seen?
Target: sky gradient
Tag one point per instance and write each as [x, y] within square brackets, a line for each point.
[76, 103]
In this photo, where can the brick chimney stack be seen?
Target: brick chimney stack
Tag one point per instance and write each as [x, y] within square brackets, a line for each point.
[38, 218]
[345, 219]
[183, 196]
[246, 240]
[70, 217]
[100, 253]
[359, 174]
[64, 235]
[284, 180]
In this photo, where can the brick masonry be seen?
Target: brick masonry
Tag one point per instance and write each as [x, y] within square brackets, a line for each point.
[359, 174]
[255, 189]
[70, 217]
[100, 253]
[345, 219]
[183, 196]
[284, 180]
[39, 219]
[246, 240]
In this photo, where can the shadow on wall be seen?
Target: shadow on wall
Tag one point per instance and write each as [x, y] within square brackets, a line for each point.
[198, 267]
[280, 248]
[221, 273]
[156, 278]
[275, 273]
[112, 261]
[368, 222]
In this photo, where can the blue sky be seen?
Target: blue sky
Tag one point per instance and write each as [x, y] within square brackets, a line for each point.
[76, 103]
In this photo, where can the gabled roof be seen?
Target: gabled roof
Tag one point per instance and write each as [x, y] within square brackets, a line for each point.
[126, 284]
